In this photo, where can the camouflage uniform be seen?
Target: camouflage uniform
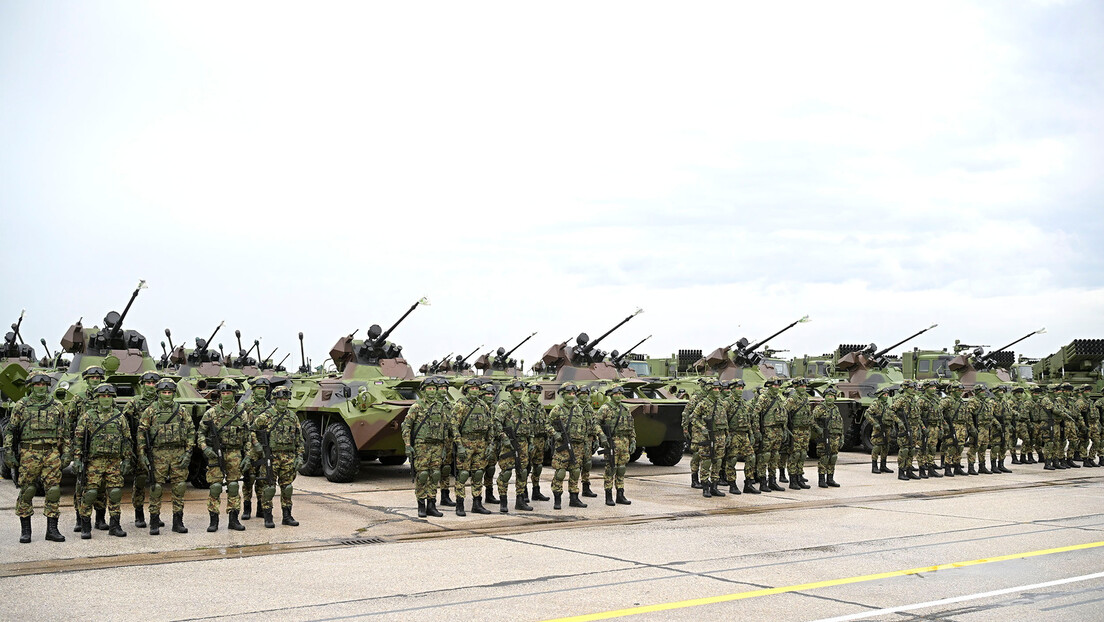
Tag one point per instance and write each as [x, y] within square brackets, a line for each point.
[1090, 438]
[493, 448]
[571, 436]
[538, 433]
[278, 428]
[43, 446]
[955, 418]
[617, 422]
[909, 429]
[1071, 428]
[592, 442]
[1041, 425]
[511, 428]
[769, 413]
[882, 431]
[828, 425]
[695, 460]
[226, 423]
[741, 442]
[1050, 422]
[106, 461]
[1002, 429]
[471, 425]
[251, 479]
[980, 410]
[77, 407]
[710, 439]
[931, 415]
[167, 428]
[1023, 426]
[800, 418]
[133, 412]
[425, 432]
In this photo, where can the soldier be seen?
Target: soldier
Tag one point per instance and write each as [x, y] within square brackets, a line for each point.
[487, 394]
[92, 376]
[471, 425]
[1047, 422]
[511, 424]
[425, 433]
[36, 446]
[617, 423]
[742, 439]
[1003, 416]
[1083, 412]
[828, 425]
[166, 436]
[980, 410]
[907, 415]
[102, 456]
[880, 418]
[225, 439]
[277, 432]
[800, 418]
[570, 436]
[448, 447]
[928, 403]
[771, 417]
[586, 403]
[958, 429]
[257, 404]
[538, 432]
[1098, 409]
[1021, 426]
[1071, 427]
[147, 395]
[691, 404]
[709, 439]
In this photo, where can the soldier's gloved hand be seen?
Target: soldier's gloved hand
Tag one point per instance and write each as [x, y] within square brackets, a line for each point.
[298, 464]
[246, 463]
[556, 436]
[144, 461]
[211, 454]
[602, 440]
[65, 460]
[258, 451]
[409, 450]
[185, 460]
[462, 453]
[9, 458]
[126, 467]
[632, 447]
[78, 467]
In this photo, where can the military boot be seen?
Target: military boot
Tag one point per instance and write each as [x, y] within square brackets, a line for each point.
[795, 483]
[1089, 462]
[923, 471]
[885, 469]
[25, 529]
[1049, 465]
[948, 470]
[232, 521]
[86, 527]
[101, 524]
[575, 502]
[77, 525]
[623, 500]
[421, 508]
[477, 506]
[958, 470]
[268, 522]
[707, 491]
[460, 507]
[749, 487]
[993, 466]
[1015, 459]
[1003, 469]
[1060, 464]
[247, 509]
[446, 499]
[537, 496]
[902, 474]
[874, 468]
[782, 475]
[609, 497]
[503, 505]
[139, 518]
[290, 521]
[556, 504]
[586, 490]
[764, 484]
[972, 471]
[525, 493]
[802, 482]
[713, 488]
[488, 494]
[431, 509]
[521, 504]
[773, 483]
[912, 473]
[932, 472]
[820, 481]
[114, 529]
[831, 481]
[178, 523]
[981, 467]
[722, 481]
[1031, 458]
[155, 525]
[694, 481]
[1073, 465]
[1027, 458]
[733, 488]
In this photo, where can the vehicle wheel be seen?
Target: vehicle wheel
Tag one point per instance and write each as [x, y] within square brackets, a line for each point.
[634, 456]
[667, 453]
[864, 438]
[392, 460]
[5, 472]
[340, 461]
[197, 470]
[312, 441]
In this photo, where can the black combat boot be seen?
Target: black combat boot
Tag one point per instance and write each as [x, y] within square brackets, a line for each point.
[556, 504]
[247, 509]
[982, 468]
[525, 493]
[1003, 469]
[1015, 458]
[178, 523]
[902, 474]
[1031, 458]
[114, 529]
[874, 468]
[782, 475]
[609, 497]
[713, 488]
[232, 521]
[773, 483]
[477, 506]
[1060, 463]
[86, 527]
[948, 471]
[503, 505]
[733, 488]
[958, 470]
[764, 484]
[446, 499]
[820, 481]
[832, 480]
[972, 471]
[1026, 458]
[488, 494]
[923, 471]
[1089, 462]
[290, 521]
[421, 508]
[160, 523]
[795, 483]
[1049, 465]
[932, 472]
[460, 507]
[537, 496]
[912, 473]
[694, 481]
[1073, 465]
[623, 500]
[521, 504]
[25, 529]
[155, 525]
[722, 481]
[574, 501]
[707, 491]
[139, 518]
[749, 487]
[993, 466]
[101, 524]
[802, 482]
[77, 525]
[885, 469]
[431, 508]
[268, 522]
[586, 490]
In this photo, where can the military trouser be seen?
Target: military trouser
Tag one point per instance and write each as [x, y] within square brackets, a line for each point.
[799, 450]
[444, 479]
[711, 456]
[930, 446]
[138, 488]
[1093, 449]
[588, 460]
[232, 476]
[998, 441]
[740, 444]
[471, 468]
[879, 448]
[1074, 434]
[768, 456]
[103, 475]
[509, 463]
[952, 451]
[426, 463]
[616, 464]
[1023, 431]
[1046, 440]
[39, 461]
[489, 468]
[78, 492]
[252, 479]
[168, 472]
[827, 454]
[537, 447]
[1068, 433]
[568, 468]
[908, 449]
[695, 461]
[283, 471]
[977, 449]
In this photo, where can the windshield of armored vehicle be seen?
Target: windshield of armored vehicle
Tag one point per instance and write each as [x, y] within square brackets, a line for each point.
[938, 367]
[782, 368]
[640, 367]
[1023, 372]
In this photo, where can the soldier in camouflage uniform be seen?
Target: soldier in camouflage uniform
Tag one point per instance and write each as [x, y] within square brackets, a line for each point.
[570, 440]
[617, 422]
[257, 404]
[92, 376]
[958, 430]
[932, 417]
[166, 427]
[770, 414]
[800, 417]
[538, 433]
[1047, 422]
[828, 426]
[147, 395]
[1071, 427]
[471, 426]
[909, 429]
[710, 440]
[741, 441]
[882, 430]
[587, 398]
[511, 427]
[223, 426]
[1083, 412]
[40, 453]
[1002, 430]
[1022, 424]
[488, 394]
[1098, 410]
[425, 433]
[448, 448]
[102, 456]
[277, 430]
[691, 404]
[980, 410]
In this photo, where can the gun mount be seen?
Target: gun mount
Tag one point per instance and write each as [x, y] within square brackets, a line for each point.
[13, 342]
[501, 360]
[374, 348]
[620, 360]
[745, 354]
[979, 360]
[872, 358]
[112, 337]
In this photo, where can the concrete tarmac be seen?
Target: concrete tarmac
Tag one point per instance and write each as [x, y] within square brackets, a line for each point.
[948, 549]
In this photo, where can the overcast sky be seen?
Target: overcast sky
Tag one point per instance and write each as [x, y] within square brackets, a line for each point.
[729, 167]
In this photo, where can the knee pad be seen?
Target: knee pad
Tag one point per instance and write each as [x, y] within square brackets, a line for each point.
[178, 489]
[560, 474]
[575, 473]
[537, 468]
[155, 491]
[522, 475]
[232, 489]
[27, 493]
[216, 490]
[504, 477]
[462, 477]
[267, 493]
[140, 480]
[115, 495]
[434, 478]
[286, 491]
[89, 496]
[620, 471]
[53, 494]
[477, 475]
[423, 477]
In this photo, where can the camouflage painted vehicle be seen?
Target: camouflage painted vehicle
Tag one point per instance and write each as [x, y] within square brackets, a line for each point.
[356, 413]
[1078, 363]
[501, 366]
[971, 364]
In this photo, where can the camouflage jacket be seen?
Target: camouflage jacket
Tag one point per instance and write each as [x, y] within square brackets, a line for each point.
[930, 412]
[252, 408]
[980, 411]
[879, 414]
[953, 410]
[166, 426]
[799, 412]
[471, 420]
[133, 412]
[77, 407]
[828, 416]
[38, 422]
[538, 418]
[574, 421]
[769, 411]
[1083, 410]
[689, 408]
[906, 413]
[233, 430]
[617, 421]
[739, 416]
[426, 422]
[108, 435]
[511, 418]
[283, 431]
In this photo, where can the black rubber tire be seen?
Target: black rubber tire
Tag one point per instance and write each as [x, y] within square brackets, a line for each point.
[197, 470]
[392, 460]
[864, 437]
[667, 453]
[340, 461]
[634, 456]
[312, 448]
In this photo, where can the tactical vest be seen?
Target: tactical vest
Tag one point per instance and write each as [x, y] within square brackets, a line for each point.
[574, 420]
[619, 423]
[477, 422]
[232, 430]
[538, 419]
[283, 430]
[168, 428]
[803, 416]
[929, 410]
[739, 419]
[774, 416]
[42, 422]
[830, 416]
[109, 432]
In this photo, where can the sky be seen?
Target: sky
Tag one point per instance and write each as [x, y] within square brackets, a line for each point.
[728, 167]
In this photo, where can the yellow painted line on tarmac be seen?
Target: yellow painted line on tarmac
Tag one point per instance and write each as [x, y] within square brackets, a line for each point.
[697, 602]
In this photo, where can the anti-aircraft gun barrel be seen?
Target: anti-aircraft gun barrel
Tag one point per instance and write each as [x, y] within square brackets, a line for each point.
[256, 345]
[387, 333]
[206, 344]
[620, 357]
[237, 334]
[590, 345]
[118, 327]
[987, 358]
[463, 360]
[43, 342]
[168, 335]
[15, 326]
[303, 368]
[283, 359]
[507, 355]
[883, 351]
[755, 346]
[269, 357]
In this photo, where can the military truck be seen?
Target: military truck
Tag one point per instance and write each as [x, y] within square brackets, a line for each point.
[1079, 362]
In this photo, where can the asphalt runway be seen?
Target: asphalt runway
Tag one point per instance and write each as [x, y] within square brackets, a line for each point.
[993, 547]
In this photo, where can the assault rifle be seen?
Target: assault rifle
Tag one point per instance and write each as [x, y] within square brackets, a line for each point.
[265, 438]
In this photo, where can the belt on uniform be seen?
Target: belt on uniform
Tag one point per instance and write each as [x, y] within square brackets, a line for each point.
[39, 445]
